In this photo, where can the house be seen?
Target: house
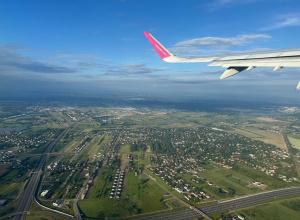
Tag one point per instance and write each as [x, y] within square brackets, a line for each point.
[58, 203]
[3, 202]
[44, 193]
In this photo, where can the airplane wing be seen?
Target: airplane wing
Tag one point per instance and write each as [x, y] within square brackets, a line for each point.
[235, 64]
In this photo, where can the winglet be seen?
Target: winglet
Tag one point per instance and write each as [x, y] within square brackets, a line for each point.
[160, 49]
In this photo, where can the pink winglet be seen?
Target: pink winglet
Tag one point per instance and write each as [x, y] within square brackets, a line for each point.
[157, 46]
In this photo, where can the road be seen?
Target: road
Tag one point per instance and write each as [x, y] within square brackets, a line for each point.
[78, 196]
[228, 205]
[27, 212]
[249, 200]
[31, 186]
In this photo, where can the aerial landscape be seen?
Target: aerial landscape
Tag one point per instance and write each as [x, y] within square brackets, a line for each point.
[94, 125]
[105, 162]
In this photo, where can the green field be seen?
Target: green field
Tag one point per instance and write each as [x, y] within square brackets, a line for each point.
[160, 181]
[104, 208]
[140, 196]
[10, 191]
[103, 184]
[266, 136]
[11, 183]
[274, 211]
[294, 140]
[42, 216]
[257, 175]
[125, 149]
[225, 179]
[145, 192]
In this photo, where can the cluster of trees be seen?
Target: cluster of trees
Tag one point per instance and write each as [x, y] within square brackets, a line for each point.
[136, 146]
[163, 147]
[294, 204]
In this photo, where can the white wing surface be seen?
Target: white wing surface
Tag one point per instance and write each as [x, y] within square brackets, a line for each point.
[238, 63]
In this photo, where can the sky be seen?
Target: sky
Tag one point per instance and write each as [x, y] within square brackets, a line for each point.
[98, 47]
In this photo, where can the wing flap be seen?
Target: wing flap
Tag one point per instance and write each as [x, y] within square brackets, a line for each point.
[257, 63]
[232, 71]
[298, 86]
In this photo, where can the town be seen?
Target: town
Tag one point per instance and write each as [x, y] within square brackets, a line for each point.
[131, 161]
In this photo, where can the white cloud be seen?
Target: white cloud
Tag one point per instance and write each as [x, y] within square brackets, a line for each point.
[185, 50]
[80, 56]
[132, 70]
[283, 21]
[219, 41]
[11, 61]
[217, 4]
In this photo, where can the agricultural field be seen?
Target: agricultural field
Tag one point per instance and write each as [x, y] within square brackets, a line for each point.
[266, 136]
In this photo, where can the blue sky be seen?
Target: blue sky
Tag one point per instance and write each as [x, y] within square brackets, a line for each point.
[99, 45]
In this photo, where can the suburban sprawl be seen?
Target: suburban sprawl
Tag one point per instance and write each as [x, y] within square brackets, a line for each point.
[141, 163]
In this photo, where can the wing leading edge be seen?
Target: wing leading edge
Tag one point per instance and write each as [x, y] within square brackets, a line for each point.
[235, 64]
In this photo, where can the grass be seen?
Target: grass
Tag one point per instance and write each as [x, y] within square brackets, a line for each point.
[257, 175]
[141, 196]
[160, 181]
[294, 140]
[266, 136]
[96, 144]
[88, 130]
[104, 207]
[35, 207]
[67, 208]
[3, 169]
[7, 190]
[43, 216]
[125, 149]
[11, 183]
[103, 184]
[145, 192]
[273, 211]
[222, 177]
[71, 146]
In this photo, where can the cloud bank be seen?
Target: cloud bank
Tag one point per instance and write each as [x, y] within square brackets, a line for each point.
[282, 21]
[12, 61]
[239, 40]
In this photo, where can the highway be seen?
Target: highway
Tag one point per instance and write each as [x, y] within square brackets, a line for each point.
[31, 186]
[232, 204]
[249, 200]
[28, 212]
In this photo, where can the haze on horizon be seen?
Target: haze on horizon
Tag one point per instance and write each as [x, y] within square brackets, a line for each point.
[97, 48]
